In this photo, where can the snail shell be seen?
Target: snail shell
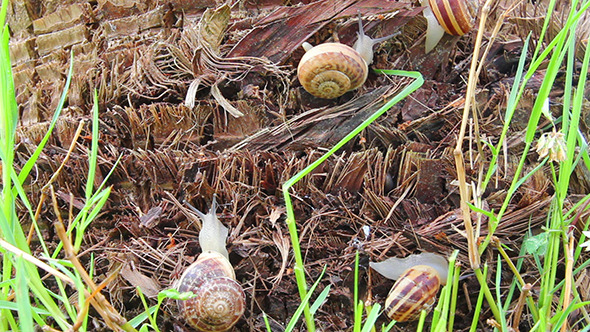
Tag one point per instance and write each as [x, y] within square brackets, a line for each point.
[330, 70]
[413, 292]
[455, 16]
[418, 280]
[219, 302]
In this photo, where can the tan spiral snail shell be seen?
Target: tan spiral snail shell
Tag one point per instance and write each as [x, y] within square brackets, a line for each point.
[330, 70]
[413, 292]
[456, 17]
[219, 302]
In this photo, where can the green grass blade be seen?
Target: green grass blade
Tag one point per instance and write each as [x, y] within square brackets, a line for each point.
[25, 316]
[266, 322]
[303, 304]
[358, 307]
[320, 300]
[35, 156]
[478, 304]
[93, 148]
[372, 318]
[299, 268]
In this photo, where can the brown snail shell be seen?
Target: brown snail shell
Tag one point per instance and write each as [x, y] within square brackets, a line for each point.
[455, 16]
[414, 291]
[330, 70]
[220, 300]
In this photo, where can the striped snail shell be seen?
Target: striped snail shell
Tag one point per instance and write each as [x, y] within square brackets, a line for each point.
[219, 302]
[413, 292]
[418, 280]
[456, 17]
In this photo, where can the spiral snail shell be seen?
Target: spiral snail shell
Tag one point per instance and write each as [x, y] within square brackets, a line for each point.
[219, 300]
[418, 280]
[456, 17]
[330, 70]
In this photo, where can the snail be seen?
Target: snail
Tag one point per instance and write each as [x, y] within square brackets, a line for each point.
[219, 300]
[418, 280]
[329, 70]
[456, 17]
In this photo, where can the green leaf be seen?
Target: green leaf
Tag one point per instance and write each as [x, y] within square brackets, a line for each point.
[536, 245]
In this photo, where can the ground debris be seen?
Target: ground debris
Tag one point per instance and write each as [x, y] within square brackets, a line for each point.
[197, 99]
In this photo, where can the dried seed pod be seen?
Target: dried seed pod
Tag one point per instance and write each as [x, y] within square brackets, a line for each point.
[418, 280]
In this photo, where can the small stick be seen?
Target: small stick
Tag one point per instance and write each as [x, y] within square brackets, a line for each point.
[569, 267]
[53, 177]
[516, 315]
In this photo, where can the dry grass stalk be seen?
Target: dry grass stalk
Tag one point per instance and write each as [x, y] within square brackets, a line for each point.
[111, 317]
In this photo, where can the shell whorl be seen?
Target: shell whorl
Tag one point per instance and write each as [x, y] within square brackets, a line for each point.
[331, 69]
[455, 16]
[413, 292]
[219, 302]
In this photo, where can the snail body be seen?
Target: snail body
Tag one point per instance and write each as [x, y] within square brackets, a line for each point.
[329, 70]
[219, 300]
[456, 17]
[418, 280]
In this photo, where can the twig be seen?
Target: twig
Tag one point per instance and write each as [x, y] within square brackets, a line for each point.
[498, 245]
[474, 258]
[524, 295]
[569, 267]
[36, 261]
[53, 177]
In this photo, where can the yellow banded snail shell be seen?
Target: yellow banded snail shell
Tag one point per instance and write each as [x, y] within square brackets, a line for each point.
[330, 70]
[418, 280]
[219, 302]
[456, 17]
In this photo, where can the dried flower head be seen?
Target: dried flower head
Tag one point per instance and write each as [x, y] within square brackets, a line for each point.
[552, 144]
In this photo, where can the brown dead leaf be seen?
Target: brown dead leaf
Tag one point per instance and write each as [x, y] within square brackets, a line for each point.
[149, 287]
[212, 26]
[275, 214]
